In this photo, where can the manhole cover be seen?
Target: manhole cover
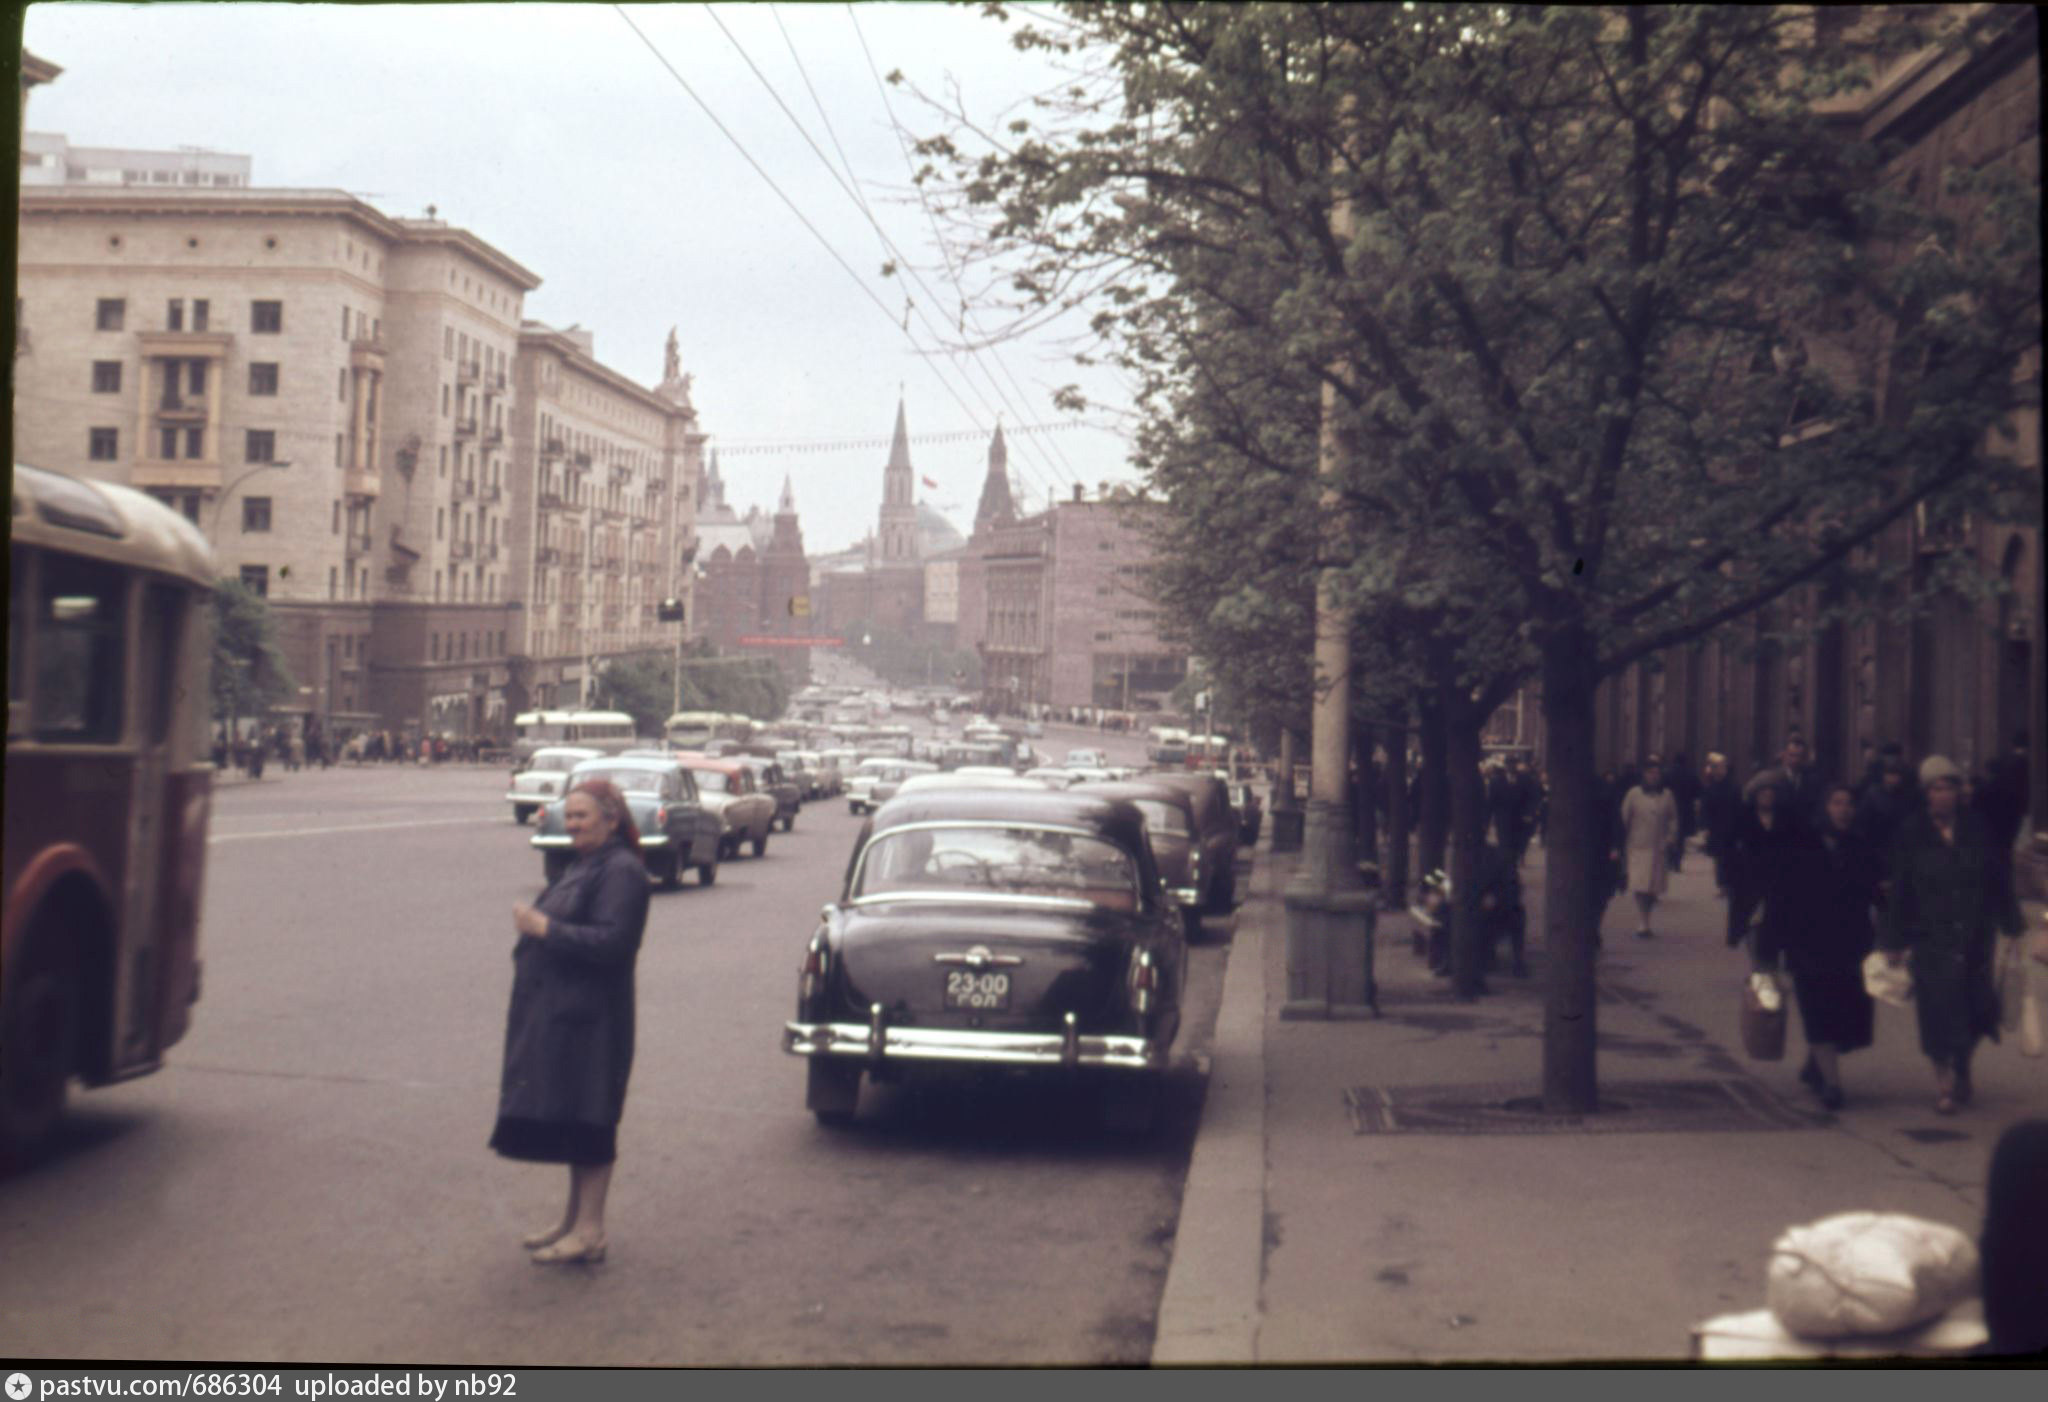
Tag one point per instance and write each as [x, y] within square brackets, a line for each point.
[1626, 1107]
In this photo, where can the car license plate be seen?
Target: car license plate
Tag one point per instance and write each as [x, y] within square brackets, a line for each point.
[977, 992]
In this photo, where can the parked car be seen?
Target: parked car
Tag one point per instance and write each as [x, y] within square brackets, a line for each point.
[1169, 811]
[1250, 813]
[885, 787]
[865, 776]
[745, 814]
[1001, 928]
[788, 795]
[677, 828]
[1216, 836]
[541, 777]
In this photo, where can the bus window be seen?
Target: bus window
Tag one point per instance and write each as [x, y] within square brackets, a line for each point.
[78, 690]
[163, 639]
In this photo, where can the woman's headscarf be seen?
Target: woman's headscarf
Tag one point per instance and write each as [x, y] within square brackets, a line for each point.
[612, 804]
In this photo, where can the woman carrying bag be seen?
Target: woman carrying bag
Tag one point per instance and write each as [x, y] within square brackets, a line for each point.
[569, 1030]
[1949, 893]
[1835, 891]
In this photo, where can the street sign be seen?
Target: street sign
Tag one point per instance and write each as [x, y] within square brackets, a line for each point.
[800, 606]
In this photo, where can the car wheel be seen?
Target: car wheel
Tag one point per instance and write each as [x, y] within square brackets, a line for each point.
[761, 845]
[41, 1026]
[520, 814]
[707, 873]
[553, 865]
[670, 869]
[1130, 1102]
[1227, 900]
[832, 1092]
[1191, 924]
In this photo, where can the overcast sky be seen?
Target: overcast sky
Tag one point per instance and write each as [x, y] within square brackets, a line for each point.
[554, 134]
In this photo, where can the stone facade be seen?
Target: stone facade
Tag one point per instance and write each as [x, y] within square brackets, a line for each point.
[1962, 678]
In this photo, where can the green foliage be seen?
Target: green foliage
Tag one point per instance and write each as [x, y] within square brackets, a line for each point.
[250, 674]
[643, 686]
[904, 660]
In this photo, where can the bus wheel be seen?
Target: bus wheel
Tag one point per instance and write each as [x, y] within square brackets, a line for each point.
[39, 1029]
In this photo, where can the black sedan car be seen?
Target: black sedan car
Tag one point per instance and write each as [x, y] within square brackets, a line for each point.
[676, 830]
[995, 929]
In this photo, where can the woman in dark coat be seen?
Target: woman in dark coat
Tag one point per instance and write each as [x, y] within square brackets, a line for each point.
[1949, 892]
[569, 1032]
[1832, 892]
[1764, 847]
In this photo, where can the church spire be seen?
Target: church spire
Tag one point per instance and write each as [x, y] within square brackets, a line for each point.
[787, 506]
[898, 523]
[997, 505]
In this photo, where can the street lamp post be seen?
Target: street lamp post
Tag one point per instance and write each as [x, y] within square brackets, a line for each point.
[222, 499]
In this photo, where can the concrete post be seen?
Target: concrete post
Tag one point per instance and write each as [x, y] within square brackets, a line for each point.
[1287, 814]
[1330, 913]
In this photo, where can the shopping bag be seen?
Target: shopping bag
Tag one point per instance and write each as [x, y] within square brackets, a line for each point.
[2010, 973]
[1763, 1018]
[1868, 1273]
[2033, 1036]
[1887, 982]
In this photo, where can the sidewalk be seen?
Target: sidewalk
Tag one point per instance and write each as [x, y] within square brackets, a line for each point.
[1303, 1240]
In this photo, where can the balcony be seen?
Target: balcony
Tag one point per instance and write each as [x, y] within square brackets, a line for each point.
[181, 411]
[494, 438]
[494, 383]
[488, 552]
[356, 544]
[491, 492]
[546, 555]
[355, 483]
[553, 501]
[552, 448]
[657, 484]
[465, 428]
[582, 460]
[572, 559]
[468, 372]
[366, 353]
[463, 489]
[622, 473]
[611, 564]
[460, 549]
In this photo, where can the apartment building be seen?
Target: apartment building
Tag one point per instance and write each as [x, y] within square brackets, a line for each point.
[49, 158]
[324, 390]
[602, 504]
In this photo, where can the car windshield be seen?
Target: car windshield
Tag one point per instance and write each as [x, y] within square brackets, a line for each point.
[1021, 861]
[1162, 816]
[712, 781]
[628, 780]
[548, 763]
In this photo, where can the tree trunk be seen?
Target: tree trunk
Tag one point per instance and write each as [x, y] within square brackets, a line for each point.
[1394, 886]
[1434, 824]
[1570, 919]
[1463, 725]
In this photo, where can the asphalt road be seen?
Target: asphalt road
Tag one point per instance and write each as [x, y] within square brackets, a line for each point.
[308, 1179]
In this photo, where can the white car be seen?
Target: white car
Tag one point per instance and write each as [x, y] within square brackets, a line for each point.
[540, 781]
[861, 783]
[1088, 774]
[1087, 759]
[1051, 778]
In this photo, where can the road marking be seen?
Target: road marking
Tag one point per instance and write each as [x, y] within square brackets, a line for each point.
[359, 827]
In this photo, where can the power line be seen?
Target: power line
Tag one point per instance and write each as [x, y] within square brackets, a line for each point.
[938, 236]
[746, 155]
[888, 244]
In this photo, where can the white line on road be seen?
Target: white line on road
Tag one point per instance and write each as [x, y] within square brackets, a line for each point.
[358, 827]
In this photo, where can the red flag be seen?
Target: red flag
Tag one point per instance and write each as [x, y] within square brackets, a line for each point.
[929, 483]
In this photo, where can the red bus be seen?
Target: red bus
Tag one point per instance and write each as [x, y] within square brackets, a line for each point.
[108, 791]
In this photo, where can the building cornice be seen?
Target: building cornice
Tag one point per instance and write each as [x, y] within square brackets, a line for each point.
[564, 345]
[37, 70]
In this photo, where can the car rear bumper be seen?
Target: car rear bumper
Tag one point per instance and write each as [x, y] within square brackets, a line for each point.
[1186, 895]
[879, 1043]
[561, 844]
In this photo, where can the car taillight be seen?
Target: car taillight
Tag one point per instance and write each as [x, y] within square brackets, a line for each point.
[661, 817]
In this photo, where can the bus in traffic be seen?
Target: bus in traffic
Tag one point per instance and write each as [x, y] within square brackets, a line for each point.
[606, 731]
[109, 792]
[693, 730]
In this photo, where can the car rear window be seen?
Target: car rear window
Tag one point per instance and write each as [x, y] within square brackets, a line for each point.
[1002, 860]
[711, 780]
[628, 780]
[1163, 816]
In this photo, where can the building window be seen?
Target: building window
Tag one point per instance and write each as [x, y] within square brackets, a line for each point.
[195, 377]
[333, 583]
[440, 523]
[255, 513]
[103, 444]
[167, 444]
[199, 314]
[341, 386]
[444, 401]
[263, 377]
[174, 315]
[195, 443]
[106, 377]
[344, 323]
[444, 459]
[337, 450]
[260, 446]
[266, 318]
[433, 647]
[256, 579]
[110, 314]
[447, 343]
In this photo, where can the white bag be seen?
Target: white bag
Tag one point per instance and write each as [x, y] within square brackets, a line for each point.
[2033, 1037]
[1885, 981]
[2011, 977]
[1868, 1273]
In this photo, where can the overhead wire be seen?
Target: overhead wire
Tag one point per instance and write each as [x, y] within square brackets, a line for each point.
[888, 244]
[938, 236]
[803, 219]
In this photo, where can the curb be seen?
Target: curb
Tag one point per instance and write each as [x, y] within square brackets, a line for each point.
[1210, 1310]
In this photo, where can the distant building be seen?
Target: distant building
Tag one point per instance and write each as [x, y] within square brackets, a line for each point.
[756, 581]
[34, 73]
[884, 585]
[48, 158]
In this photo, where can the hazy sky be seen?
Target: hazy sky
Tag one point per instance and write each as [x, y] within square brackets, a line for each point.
[554, 134]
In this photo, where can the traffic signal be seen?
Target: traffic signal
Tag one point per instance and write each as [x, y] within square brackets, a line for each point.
[669, 611]
[799, 606]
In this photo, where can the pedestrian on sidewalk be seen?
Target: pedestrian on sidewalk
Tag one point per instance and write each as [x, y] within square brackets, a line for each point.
[1834, 890]
[1502, 915]
[1649, 824]
[1949, 893]
[1803, 783]
[569, 1029]
[1761, 851]
[1883, 806]
[1685, 788]
[1720, 809]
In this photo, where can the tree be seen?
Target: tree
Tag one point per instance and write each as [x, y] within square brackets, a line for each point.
[250, 674]
[1627, 337]
[643, 686]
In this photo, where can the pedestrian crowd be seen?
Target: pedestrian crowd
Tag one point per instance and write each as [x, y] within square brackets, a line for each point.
[1818, 874]
[299, 747]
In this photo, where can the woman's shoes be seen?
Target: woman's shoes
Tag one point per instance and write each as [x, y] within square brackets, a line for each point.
[1964, 1091]
[1831, 1097]
[1810, 1074]
[537, 1240]
[570, 1252]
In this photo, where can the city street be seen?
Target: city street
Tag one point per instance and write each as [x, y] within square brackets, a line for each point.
[308, 1178]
